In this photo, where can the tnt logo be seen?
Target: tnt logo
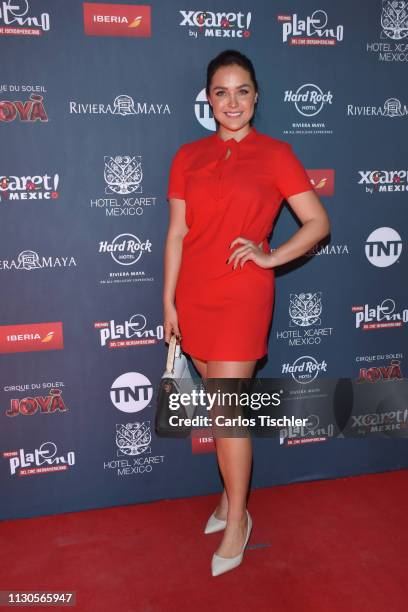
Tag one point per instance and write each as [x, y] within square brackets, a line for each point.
[131, 392]
[203, 112]
[383, 247]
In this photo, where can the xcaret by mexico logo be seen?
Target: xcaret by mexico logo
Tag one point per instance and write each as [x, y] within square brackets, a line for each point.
[38, 187]
[31, 337]
[383, 181]
[216, 25]
[102, 19]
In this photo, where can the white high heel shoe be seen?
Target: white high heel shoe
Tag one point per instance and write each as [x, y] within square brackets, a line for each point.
[219, 565]
[214, 524]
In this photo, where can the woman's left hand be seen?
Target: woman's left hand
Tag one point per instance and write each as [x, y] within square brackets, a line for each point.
[249, 251]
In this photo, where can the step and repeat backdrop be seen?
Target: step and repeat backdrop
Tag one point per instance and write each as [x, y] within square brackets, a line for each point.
[95, 99]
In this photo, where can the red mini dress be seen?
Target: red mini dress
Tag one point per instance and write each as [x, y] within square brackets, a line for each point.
[225, 314]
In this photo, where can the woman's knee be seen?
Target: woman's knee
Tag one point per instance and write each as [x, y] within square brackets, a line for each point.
[230, 369]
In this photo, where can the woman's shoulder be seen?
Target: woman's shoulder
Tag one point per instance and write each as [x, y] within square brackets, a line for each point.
[272, 143]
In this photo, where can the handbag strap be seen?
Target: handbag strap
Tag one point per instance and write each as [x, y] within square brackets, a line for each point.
[171, 354]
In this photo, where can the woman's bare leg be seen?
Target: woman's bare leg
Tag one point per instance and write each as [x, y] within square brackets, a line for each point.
[222, 508]
[234, 457]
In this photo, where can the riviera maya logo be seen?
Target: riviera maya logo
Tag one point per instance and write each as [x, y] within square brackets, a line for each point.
[123, 105]
[123, 174]
[392, 108]
[30, 260]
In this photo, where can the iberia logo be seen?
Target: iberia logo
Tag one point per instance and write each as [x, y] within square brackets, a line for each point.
[117, 19]
[322, 181]
[31, 337]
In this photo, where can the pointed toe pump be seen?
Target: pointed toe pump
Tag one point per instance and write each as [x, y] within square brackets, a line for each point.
[220, 565]
[213, 524]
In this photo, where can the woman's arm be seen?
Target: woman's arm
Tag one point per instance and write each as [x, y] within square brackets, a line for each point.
[172, 259]
[315, 226]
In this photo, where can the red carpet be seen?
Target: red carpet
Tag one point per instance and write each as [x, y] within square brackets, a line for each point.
[333, 546]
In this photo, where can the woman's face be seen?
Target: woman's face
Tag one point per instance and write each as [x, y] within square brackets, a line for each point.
[232, 97]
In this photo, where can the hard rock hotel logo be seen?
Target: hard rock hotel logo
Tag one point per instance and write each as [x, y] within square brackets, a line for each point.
[309, 100]
[17, 19]
[305, 369]
[312, 30]
[126, 249]
[393, 35]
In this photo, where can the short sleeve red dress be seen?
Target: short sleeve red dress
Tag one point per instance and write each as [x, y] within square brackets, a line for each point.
[225, 314]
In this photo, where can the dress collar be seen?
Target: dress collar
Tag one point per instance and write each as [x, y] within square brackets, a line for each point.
[247, 138]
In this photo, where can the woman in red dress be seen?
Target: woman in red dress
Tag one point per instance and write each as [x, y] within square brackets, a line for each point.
[225, 191]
